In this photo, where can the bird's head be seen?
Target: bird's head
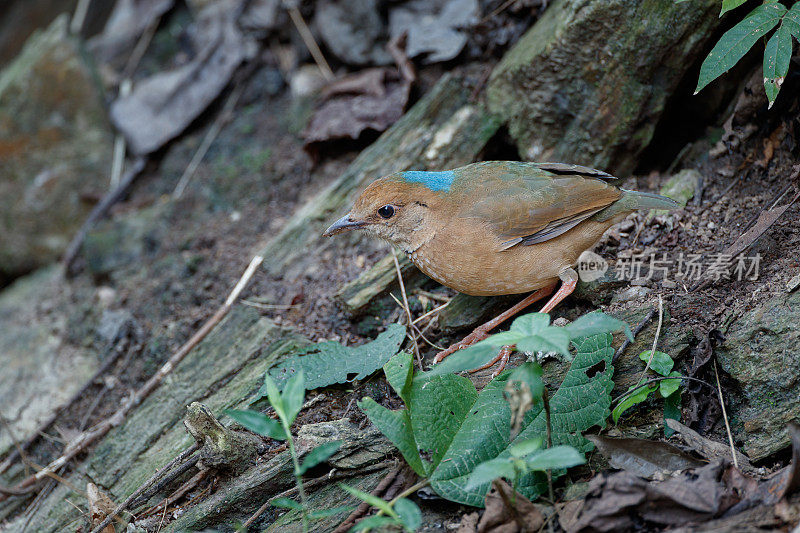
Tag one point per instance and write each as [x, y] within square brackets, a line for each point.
[393, 209]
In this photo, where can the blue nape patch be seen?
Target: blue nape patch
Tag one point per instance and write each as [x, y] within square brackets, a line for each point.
[435, 181]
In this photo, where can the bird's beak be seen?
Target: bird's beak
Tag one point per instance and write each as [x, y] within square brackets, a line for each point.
[343, 224]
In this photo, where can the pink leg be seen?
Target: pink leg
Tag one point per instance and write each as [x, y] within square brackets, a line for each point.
[503, 356]
[569, 280]
[482, 331]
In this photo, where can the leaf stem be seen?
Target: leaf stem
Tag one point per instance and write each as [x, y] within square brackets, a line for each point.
[297, 476]
[549, 436]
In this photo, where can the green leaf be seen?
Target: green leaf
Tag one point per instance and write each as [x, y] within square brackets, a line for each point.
[399, 371]
[437, 408]
[329, 362]
[727, 5]
[396, 426]
[483, 435]
[595, 323]
[374, 522]
[672, 409]
[319, 514]
[550, 339]
[661, 364]
[409, 513]
[370, 499]
[637, 398]
[530, 374]
[472, 357]
[530, 324]
[274, 396]
[735, 43]
[525, 447]
[554, 458]
[258, 423]
[286, 503]
[319, 454]
[792, 20]
[485, 473]
[668, 386]
[777, 55]
[294, 392]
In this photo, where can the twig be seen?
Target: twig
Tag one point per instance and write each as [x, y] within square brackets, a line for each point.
[76, 23]
[725, 417]
[406, 307]
[147, 484]
[100, 210]
[322, 480]
[310, 42]
[89, 437]
[432, 295]
[208, 140]
[655, 339]
[118, 155]
[627, 342]
[166, 480]
[14, 440]
[179, 492]
[432, 311]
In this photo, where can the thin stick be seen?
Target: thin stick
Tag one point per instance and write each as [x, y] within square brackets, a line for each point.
[322, 480]
[147, 484]
[509, 504]
[310, 42]
[407, 308]
[655, 339]
[725, 417]
[208, 140]
[76, 24]
[14, 440]
[643, 324]
[87, 438]
[432, 311]
[549, 437]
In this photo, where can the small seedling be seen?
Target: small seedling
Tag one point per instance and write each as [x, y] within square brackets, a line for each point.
[287, 405]
[399, 512]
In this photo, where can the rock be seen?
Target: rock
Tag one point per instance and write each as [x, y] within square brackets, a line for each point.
[55, 149]
[40, 370]
[221, 448]
[435, 28]
[682, 185]
[760, 353]
[352, 30]
[588, 83]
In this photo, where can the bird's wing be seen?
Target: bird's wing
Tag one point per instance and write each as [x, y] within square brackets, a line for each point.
[527, 203]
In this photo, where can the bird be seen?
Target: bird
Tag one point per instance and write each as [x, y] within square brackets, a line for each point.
[496, 228]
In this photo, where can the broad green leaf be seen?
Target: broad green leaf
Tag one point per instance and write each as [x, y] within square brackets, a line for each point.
[504, 338]
[582, 401]
[668, 386]
[374, 522]
[638, 397]
[318, 455]
[530, 374]
[294, 392]
[530, 324]
[483, 436]
[286, 503]
[485, 473]
[661, 364]
[727, 5]
[370, 499]
[554, 458]
[319, 514]
[410, 515]
[525, 447]
[396, 426]
[258, 423]
[792, 20]
[777, 55]
[399, 370]
[735, 43]
[437, 408]
[595, 323]
[549, 339]
[329, 362]
[473, 357]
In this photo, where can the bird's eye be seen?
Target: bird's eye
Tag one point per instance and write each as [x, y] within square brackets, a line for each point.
[387, 211]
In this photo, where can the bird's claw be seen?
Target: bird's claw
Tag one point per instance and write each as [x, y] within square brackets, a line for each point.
[477, 335]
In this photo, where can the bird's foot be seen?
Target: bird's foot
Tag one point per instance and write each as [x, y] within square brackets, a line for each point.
[478, 334]
[503, 356]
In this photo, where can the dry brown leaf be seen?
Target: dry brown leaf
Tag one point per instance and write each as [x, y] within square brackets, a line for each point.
[645, 458]
[100, 506]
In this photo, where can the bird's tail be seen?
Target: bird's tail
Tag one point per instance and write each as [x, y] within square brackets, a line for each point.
[633, 200]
